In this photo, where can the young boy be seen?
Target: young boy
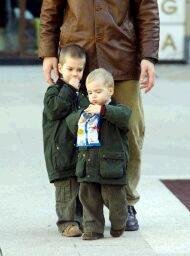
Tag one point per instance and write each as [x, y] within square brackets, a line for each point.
[60, 100]
[102, 159]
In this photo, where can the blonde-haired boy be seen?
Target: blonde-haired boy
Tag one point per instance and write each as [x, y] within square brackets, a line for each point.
[101, 169]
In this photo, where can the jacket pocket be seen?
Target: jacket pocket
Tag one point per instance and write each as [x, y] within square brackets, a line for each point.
[63, 191]
[112, 165]
[63, 157]
[81, 165]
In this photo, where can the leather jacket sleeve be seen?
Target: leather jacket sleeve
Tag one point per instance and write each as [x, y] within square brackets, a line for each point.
[147, 26]
[51, 18]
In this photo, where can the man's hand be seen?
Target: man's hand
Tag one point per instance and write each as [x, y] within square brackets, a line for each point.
[93, 109]
[49, 65]
[147, 76]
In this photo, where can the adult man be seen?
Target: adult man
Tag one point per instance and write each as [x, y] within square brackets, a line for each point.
[120, 36]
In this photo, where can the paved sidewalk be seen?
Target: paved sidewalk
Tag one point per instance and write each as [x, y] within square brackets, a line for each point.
[27, 215]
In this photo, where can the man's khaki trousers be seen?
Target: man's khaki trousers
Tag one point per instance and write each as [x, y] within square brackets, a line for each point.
[128, 93]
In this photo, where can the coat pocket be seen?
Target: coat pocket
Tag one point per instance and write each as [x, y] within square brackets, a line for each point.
[63, 157]
[112, 165]
[81, 165]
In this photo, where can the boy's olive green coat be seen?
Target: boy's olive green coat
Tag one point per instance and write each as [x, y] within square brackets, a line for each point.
[60, 153]
[105, 164]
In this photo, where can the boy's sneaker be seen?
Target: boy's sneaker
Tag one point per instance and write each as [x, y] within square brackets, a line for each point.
[117, 233]
[91, 236]
[72, 231]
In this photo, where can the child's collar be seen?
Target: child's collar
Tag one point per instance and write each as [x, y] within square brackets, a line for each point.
[108, 102]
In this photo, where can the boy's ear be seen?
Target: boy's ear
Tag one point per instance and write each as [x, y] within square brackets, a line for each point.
[59, 68]
[111, 91]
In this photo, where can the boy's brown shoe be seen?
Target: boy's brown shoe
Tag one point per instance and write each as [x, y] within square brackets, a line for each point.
[91, 236]
[117, 233]
[72, 231]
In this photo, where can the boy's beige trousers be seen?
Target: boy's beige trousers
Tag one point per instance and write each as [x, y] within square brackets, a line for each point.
[128, 93]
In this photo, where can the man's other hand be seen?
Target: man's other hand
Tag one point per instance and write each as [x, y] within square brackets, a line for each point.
[147, 76]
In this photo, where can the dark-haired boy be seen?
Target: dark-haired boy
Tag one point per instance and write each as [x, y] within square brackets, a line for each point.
[60, 100]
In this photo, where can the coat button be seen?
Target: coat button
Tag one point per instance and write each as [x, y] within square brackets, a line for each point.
[57, 148]
[98, 8]
[88, 176]
[99, 38]
[89, 159]
[83, 155]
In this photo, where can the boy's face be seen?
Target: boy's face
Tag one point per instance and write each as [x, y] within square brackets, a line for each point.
[98, 92]
[72, 68]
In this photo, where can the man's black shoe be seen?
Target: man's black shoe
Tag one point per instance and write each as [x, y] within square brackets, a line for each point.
[132, 222]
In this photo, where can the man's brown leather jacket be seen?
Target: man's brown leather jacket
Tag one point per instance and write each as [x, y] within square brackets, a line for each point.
[116, 34]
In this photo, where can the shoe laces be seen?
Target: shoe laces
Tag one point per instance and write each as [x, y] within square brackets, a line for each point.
[131, 210]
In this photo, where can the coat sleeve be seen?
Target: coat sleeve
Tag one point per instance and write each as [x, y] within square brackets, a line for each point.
[118, 115]
[83, 101]
[147, 27]
[51, 19]
[72, 121]
[57, 103]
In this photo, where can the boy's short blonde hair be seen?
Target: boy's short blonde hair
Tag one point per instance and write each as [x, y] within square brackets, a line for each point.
[73, 51]
[102, 74]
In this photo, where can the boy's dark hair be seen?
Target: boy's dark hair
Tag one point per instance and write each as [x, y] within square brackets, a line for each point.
[72, 50]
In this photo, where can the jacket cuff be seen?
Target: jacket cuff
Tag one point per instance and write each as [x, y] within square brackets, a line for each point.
[153, 60]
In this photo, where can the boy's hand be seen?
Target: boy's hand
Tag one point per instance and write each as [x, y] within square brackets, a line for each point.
[93, 109]
[75, 83]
